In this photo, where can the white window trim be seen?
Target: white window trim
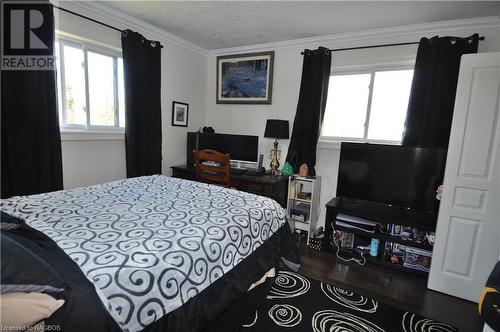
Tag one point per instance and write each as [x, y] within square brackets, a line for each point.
[91, 135]
[88, 132]
[333, 142]
[69, 36]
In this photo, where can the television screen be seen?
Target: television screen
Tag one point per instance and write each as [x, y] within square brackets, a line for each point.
[391, 174]
[239, 147]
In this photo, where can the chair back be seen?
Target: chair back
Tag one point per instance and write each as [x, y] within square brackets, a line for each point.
[220, 174]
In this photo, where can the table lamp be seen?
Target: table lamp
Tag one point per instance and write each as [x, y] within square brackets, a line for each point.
[277, 129]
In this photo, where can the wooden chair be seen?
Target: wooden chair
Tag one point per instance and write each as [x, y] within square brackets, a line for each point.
[209, 173]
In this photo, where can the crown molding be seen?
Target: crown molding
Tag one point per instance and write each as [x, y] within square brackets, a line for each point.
[104, 11]
[400, 32]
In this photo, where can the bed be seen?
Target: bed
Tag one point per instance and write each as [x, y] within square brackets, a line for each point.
[152, 253]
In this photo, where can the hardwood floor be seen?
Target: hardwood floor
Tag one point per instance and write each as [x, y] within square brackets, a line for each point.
[403, 290]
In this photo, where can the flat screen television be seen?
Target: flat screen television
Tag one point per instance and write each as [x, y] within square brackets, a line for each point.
[391, 174]
[239, 147]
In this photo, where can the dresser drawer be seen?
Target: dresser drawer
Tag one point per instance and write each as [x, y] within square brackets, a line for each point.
[253, 187]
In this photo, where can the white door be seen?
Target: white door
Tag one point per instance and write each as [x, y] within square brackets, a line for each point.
[468, 228]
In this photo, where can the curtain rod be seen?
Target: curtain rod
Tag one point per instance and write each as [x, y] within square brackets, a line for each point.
[90, 19]
[376, 46]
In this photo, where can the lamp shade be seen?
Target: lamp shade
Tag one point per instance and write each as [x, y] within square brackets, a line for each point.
[277, 129]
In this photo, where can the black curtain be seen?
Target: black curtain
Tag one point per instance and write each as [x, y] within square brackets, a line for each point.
[432, 97]
[31, 141]
[310, 108]
[142, 75]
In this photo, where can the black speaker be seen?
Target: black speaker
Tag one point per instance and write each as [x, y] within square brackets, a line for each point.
[192, 144]
[261, 159]
[198, 141]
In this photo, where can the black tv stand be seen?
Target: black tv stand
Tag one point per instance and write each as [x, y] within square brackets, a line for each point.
[383, 214]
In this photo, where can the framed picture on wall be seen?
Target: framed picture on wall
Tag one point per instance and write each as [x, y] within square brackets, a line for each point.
[180, 112]
[245, 78]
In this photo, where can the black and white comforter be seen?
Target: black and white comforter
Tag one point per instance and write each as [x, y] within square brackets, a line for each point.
[158, 236]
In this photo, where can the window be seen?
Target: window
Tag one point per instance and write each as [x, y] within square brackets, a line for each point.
[90, 86]
[367, 106]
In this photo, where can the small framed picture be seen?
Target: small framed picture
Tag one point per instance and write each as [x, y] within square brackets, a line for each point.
[180, 112]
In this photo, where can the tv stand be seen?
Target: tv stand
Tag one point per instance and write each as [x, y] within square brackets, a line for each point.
[382, 214]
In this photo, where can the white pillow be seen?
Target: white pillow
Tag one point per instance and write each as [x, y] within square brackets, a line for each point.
[19, 311]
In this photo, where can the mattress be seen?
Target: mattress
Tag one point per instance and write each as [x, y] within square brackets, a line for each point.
[149, 245]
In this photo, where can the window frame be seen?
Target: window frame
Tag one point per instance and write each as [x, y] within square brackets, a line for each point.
[86, 47]
[356, 70]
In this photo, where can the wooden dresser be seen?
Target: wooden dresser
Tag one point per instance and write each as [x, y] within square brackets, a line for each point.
[272, 186]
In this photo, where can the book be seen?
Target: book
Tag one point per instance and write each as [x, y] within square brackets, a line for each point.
[418, 259]
[396, 230]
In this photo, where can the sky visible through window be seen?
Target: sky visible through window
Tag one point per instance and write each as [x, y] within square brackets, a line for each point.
[348, 104]
[93, 96]
[391, 92]
[121, 94]
[75, 85]
[101, 89]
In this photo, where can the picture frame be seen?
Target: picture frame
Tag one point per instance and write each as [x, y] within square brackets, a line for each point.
[180, 114]
[245, 78]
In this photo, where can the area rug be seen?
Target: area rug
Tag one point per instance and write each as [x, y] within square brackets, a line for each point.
[297, 303]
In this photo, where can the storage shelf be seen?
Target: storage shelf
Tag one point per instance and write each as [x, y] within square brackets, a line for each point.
[386, 237]
[384, 214]
[400, 267]
[308, 201]
[307, 204]
[304, 226]
[302, 222]
[305, 179]
[301, 206]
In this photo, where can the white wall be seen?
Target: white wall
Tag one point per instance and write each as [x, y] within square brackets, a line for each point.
[182, 80]
[251, 119]
[88, 162]
[101, 158]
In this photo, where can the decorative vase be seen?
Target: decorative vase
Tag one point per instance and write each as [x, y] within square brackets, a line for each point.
[303, 170]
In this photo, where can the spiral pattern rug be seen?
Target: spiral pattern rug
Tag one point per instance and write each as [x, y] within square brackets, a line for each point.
[297, 303]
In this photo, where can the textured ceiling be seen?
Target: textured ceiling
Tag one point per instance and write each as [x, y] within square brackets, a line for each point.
[222, 24]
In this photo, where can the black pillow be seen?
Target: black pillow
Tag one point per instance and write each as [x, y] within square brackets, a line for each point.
[23, 270]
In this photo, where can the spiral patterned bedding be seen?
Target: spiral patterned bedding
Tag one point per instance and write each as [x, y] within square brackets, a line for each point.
[149, 244]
